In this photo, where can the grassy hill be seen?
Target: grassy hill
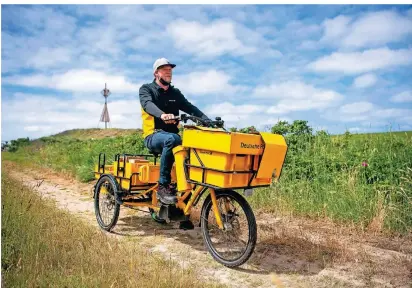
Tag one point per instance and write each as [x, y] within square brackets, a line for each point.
[96, 133]
[364, 179]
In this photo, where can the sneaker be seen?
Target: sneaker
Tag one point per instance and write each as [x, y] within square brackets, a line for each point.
[166, 195]
[186, 225]
[173, 187]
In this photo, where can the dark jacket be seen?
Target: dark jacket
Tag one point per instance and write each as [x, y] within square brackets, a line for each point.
[155, 101]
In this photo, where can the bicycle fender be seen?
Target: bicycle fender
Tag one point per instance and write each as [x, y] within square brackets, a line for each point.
[111, 178]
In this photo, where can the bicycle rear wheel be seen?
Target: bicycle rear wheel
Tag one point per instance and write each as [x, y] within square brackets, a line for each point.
[105, 206]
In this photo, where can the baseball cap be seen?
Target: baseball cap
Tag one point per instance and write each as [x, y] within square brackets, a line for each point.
[161, 62]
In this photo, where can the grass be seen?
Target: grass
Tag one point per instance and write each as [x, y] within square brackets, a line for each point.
[362, 179]
[73, 155]
[44, 246]
[84, 134]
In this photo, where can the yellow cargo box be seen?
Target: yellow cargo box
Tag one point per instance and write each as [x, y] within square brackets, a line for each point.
[136, 171]
[222, 141]
[230, 159]
[225, 170]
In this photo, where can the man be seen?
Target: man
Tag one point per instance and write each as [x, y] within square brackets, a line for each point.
[160, 103]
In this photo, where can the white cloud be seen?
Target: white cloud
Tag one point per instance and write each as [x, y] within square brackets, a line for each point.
[36, 128]
[369, 30]
[273, 121]
[405, 96]
[355, 129]
[229, 108]
[50, 57]
[365, 81]
[360, 62]
[36, 115]
[296, 96]
[200, 83]
[407, 119]
[301, 29]
[39, 19]
[356, 108]
[392, 113]
[308, 45]
[77, 81]
[367, 113]
[79, 51]
[98, 39]
[335, 28]
[244, 115]
[45, 38]
[214, 39]
[378, 28]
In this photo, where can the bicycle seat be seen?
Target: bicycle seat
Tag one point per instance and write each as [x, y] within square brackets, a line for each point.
[154, 153]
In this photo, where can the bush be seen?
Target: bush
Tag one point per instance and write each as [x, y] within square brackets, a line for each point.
[18, 143]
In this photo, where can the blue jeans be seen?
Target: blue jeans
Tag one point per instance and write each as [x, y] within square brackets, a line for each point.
[163, 142]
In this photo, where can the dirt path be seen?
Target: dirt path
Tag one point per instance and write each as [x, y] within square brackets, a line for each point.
[289, 252]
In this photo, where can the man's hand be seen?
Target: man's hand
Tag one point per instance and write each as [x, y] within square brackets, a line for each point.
[207, 122]
[166, 117]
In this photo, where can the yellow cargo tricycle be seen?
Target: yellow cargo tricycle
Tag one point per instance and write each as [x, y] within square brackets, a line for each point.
[210, 159]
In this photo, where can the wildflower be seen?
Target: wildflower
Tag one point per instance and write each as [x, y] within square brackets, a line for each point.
[364, 164]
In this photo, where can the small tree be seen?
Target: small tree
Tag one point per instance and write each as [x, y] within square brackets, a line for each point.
[301, 127]
[16, 144]
[322, 133]
[250, 129]
[282, 128]
[298, 135]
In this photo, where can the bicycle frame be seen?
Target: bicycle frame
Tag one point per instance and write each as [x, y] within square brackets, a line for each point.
[186, 208]
[208, 159]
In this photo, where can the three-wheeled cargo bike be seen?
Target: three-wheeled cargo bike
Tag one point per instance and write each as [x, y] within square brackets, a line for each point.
[211, 162]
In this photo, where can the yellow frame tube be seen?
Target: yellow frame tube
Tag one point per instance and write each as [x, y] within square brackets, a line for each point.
[186, 208]
[216, 209]
[134, 204]
[154, 197]
[227, 206]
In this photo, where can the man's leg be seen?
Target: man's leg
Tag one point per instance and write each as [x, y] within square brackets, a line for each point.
[164, 142]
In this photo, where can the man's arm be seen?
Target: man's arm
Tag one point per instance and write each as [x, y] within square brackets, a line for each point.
[147, 102]
[189, 108]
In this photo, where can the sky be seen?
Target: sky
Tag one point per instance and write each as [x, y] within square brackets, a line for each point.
[339, 67]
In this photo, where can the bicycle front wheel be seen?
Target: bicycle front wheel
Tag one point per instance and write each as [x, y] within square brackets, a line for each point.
[233, 245]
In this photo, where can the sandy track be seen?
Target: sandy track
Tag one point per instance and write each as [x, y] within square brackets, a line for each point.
[290, 252]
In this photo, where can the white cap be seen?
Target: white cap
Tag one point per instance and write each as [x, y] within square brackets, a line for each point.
[161, 62]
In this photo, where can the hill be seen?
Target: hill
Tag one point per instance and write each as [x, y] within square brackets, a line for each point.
[96, 133]
[364, 179]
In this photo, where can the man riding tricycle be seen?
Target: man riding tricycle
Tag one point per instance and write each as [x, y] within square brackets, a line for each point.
[206, 161]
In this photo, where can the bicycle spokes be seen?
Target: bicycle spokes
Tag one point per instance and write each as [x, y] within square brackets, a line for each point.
[230, 243]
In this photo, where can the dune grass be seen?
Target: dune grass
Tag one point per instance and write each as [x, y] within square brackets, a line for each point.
[361, 179]
[350, 178]
[43, 246]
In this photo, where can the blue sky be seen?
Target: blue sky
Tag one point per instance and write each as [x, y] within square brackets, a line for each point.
[337, 66]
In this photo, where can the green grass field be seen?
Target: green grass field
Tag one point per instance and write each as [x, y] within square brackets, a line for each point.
[352, 178]
[43, 246]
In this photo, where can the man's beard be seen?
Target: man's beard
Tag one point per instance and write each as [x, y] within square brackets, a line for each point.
[164, 82]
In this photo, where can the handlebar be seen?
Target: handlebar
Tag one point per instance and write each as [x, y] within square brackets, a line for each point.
[218, 123]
